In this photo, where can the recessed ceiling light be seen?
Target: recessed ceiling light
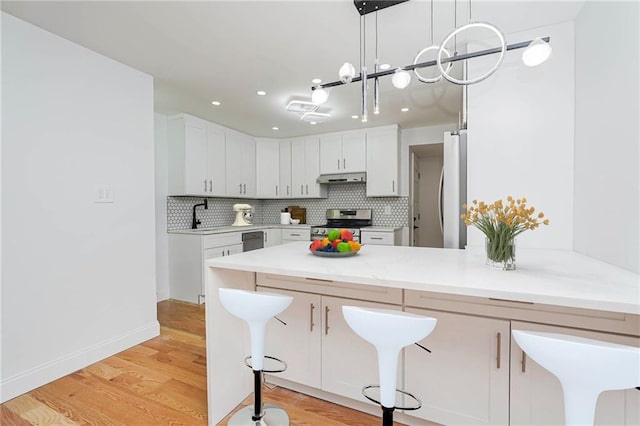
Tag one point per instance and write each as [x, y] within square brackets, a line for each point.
[275, 128]
[354, 116]
[316, 81]
[261, 92]
[313, 122]
[404, 109]
[216, 103]
[384, 66]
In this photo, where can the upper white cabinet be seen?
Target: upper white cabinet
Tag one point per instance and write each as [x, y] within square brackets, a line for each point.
[305, 168]
[382, 162]
[196, 157]
[267, 168]
[343, 152]
[241, 165]
[285, 189]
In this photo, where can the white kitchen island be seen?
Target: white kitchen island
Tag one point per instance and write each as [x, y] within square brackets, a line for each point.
[552, 288]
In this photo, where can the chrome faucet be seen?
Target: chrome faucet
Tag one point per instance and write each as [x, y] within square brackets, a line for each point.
[195, 222]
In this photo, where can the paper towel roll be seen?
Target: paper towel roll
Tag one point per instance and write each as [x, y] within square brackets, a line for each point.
[285, 218]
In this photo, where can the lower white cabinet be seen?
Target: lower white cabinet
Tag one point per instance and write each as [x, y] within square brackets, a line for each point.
[187, 254]
[385, 238]
[536, 394]
[296, 234]
[465, 378]
[272, 237]
[320, 348]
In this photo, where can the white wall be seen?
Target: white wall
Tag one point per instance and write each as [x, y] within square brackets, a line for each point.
[78, 277]
[521, 135]
[162, 190]
[607, 136]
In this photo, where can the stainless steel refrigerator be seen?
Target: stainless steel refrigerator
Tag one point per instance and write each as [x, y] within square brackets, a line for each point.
[453, 189]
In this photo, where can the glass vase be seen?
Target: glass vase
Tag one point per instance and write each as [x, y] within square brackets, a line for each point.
[501, 253]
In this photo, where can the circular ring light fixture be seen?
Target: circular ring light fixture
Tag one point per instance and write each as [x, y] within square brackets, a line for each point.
[455, 32]
[422, 52]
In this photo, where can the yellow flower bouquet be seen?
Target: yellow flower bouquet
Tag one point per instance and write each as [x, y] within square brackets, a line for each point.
[501, 222]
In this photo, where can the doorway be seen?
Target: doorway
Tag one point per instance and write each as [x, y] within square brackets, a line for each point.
[425, 193]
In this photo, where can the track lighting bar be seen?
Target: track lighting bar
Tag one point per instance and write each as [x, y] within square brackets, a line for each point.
[455, 58]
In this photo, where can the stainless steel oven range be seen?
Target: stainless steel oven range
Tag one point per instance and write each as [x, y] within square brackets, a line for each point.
[351, 219]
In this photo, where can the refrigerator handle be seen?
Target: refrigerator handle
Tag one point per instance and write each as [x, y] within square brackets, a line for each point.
[440, 216]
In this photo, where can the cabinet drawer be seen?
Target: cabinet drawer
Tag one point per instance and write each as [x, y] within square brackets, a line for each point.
[296, 234]
[219, 240]
[380, 238]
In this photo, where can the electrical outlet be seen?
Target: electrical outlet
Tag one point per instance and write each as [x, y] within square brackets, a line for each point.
[104, 194]
[387, 209]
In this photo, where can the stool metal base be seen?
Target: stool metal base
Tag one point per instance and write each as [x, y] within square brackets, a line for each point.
[372, 393]
[273, 416]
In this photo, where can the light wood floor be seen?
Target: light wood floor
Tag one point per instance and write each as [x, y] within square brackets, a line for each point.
[162, 381]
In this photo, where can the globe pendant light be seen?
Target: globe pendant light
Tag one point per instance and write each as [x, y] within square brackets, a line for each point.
[536, 53]
[401, 79]
[347, 72]
[319, 96]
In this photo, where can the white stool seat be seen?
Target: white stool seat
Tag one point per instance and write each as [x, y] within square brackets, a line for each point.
[585, 368]
[389, 331]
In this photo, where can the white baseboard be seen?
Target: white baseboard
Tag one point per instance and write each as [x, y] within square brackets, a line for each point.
[162, 295]
[28, 380]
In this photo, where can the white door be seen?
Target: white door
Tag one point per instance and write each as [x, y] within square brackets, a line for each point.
[195, 159]
[354, 152]
[465, 378]
[285, 170]
[348, 361]
[267, 173]
[216, 161]
[536, 394]
[330, 154]
[298, 342]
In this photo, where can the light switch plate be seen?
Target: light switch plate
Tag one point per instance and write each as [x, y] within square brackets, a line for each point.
[104, 194]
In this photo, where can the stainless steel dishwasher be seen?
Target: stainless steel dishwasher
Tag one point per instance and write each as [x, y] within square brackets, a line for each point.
[252, 240]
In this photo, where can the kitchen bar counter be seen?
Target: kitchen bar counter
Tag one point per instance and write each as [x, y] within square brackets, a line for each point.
[547, 277]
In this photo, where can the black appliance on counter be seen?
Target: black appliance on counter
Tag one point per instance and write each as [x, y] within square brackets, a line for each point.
[350, 219]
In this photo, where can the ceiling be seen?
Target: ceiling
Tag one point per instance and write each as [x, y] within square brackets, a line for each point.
[201, 51]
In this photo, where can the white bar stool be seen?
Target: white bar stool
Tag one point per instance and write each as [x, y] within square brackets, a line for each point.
[585, 368]
[389, 331]
[257, 308]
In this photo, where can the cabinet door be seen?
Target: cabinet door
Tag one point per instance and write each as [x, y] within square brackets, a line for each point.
[216, 161]
[536, 394]
[348, 361]
[297, 343]
[382, 162]
[234, 164]
[267, 173]
[195, 145]
[354, 152]
[272, 237]
[285, 170]
[465, 379]
[298, 173]
[312, 168]
[330, 154]
[248, 166]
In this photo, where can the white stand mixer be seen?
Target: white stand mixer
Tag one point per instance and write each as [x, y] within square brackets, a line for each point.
[243, 214]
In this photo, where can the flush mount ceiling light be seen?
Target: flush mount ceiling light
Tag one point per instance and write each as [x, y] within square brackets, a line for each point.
[301, 106]
[216, 103]
[404, 109]
[261, 93]
[275, 128]
[316, 81]
[536, 53]
[443, 62]
[317, 117]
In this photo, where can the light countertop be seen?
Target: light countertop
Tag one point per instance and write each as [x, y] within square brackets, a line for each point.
[554, 277]
[224, 229]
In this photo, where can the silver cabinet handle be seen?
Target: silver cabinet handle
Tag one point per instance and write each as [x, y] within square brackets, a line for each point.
[326, 320]
[245, 188]
[523, 361]
[338, 164]
[210, 185]
[307, 189]
[301, 189]
[311, 323]
[205, 185]
[287, 189]
[498, 344]
[344, 163]
[393, 186]
[228, 252]
[295, 235]
[241, 188]
[223, 252]
[276, 190]
[375, 238]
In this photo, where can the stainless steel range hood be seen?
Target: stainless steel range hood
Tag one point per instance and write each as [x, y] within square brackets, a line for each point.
[342, 178]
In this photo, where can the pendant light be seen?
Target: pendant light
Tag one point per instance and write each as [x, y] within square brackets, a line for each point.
[319, 95]
[536, 53]
[347, 72]
[363, 68]
[376, 82]
[430, 48]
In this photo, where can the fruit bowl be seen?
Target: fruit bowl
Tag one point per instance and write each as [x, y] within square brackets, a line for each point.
[338, 243]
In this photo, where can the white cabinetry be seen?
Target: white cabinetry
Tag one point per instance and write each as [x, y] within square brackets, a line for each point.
[305, 168]
[382, 162]
[272, 237]
[240, 164]
[267, 169]
[285, 189]
[389, 237]
[343, 152]
[295, 234]
[196, 157]
[536, 394]
[465, 378]
[187, 254]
